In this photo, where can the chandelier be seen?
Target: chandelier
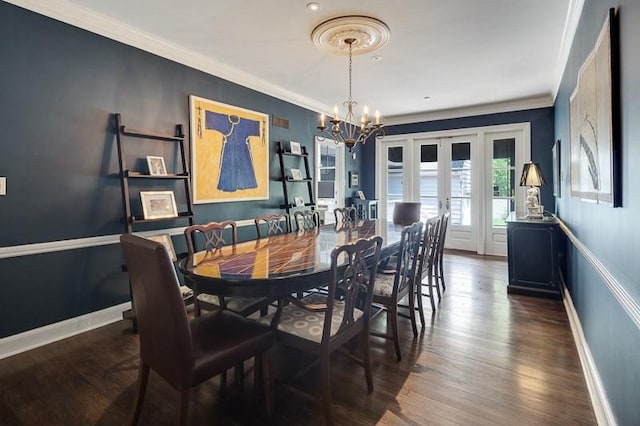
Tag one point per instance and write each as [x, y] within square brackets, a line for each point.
[351, 32]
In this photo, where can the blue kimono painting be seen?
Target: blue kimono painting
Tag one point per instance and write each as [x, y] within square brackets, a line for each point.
[236, 162]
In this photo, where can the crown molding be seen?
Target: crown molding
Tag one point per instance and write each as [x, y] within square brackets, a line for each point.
[494, 108]
[64, 11]
[568, 36]
[69, 13]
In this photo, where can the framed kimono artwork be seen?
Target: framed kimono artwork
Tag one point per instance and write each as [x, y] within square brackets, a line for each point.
[229, 152]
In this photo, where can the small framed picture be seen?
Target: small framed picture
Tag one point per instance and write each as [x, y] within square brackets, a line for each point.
[361, 195]
[299, 201]
[158, 204]
[296, 174]
[165, 240]
[557, 174]
[295, 148]
[156, 166]
[354, 179]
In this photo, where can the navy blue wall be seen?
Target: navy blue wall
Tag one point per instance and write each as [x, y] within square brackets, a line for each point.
[541, 120]
[612, 234]
[59, 86]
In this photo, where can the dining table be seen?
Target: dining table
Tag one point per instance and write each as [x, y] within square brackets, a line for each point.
[283, 264]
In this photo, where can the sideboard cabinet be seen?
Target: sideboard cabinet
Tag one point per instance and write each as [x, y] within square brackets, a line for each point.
[534, 247]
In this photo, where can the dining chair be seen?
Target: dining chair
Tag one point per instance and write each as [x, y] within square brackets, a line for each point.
[186, 352]
[425, 266]
[306, 219]
[344, 215]
[272, 224]
[321, 324]
[405, 212]
[442, 235]
[210, 238]
[390, 289]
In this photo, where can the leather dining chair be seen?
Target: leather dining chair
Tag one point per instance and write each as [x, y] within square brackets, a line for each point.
[272, 224]
[210, 237]
[185, 352]
[391, 288]
[321, 324]
[405, 213]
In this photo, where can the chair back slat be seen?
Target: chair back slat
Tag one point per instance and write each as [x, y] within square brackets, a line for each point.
[407, 256]
[353, 268]
[442, 232]
[277, 223]
[209, 237]
[306, 219]
[344, 215]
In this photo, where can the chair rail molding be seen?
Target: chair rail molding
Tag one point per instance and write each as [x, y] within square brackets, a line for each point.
[77, 243]
[631, 308]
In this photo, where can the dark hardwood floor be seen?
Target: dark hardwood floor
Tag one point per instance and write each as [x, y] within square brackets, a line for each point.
[484, 358]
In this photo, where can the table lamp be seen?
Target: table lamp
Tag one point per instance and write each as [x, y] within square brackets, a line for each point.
[532, 177]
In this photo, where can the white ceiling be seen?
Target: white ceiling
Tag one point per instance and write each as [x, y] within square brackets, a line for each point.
[463, 54]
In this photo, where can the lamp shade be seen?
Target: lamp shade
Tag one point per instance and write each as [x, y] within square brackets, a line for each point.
[531, 175]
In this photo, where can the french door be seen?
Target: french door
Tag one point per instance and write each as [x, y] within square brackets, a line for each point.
[469, 174]
[446, 184]
[329, 175]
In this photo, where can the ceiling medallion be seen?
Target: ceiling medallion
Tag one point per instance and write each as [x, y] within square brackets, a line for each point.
[350, 35]
[369, 34]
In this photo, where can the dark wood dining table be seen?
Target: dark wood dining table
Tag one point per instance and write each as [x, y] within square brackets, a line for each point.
[283, 264]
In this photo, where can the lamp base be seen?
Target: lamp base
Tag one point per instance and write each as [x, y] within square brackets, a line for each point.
[534, 212]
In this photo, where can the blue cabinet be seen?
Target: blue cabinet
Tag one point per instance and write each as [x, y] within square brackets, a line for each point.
[533, 253]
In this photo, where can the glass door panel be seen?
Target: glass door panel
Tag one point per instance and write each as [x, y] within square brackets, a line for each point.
[395, 174]
[329, 174]
[461, 184]
[503, 178]
[429, 180]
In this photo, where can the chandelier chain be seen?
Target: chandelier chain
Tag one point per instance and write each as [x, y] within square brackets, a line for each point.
[350, 41]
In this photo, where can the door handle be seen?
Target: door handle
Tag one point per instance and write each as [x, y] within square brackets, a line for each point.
[447, 204]
[439, 204]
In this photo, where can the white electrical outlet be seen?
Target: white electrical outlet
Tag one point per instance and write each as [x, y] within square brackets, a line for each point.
[3, 186]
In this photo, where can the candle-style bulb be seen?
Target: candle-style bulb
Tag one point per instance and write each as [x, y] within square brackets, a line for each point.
[377, 117]
[322, 120]
[335, 112]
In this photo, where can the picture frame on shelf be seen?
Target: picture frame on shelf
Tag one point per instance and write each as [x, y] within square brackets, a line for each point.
[165, 240]
[158, 204]
[156, 165]
[295, 148]
[296, 174]
[298, 201]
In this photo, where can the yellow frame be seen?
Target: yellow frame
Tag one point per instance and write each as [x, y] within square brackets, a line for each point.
[207, 153]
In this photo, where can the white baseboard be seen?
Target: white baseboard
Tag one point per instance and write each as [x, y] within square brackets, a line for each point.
[41, 336]
[599, 401]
